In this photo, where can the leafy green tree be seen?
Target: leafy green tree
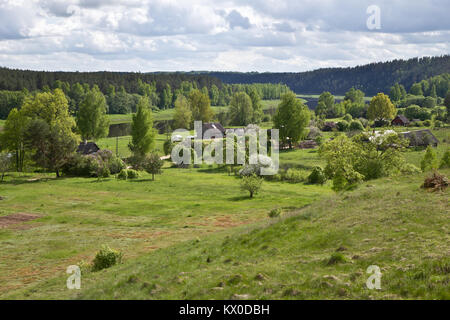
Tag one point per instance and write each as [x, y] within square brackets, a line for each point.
[153, 164]
[200, 106]
[355, 96]
[10, 100]
[214, 95]
[13, 136]
[76, 95]
[166, 97]
[416, 89]
[256, 105]
[429, 160]
[183, 114]
[92, 120]
[340, 155]
[142, 132]
[252, 184]
[241, 110]
[292, 118]
[120, 102]
[447, 103]
[381, 108]
[325, 105]
[50, 131]
[445, 161]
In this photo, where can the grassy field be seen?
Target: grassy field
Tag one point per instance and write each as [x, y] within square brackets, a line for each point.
[317, 252]
[77, 215]
[193, 234]
[124, 151]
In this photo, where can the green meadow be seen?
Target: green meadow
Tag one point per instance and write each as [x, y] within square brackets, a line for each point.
[193, 234]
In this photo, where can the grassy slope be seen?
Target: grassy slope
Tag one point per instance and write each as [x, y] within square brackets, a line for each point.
[78, 215]
[390, 222]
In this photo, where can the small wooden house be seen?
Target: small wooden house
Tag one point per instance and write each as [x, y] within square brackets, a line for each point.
[400, 120]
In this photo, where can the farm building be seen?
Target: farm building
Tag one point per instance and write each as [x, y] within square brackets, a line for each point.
[400, 120]
[216, 127]
[86, 148]
[420, 138]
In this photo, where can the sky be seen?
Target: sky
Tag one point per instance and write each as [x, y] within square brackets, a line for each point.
[231, 35]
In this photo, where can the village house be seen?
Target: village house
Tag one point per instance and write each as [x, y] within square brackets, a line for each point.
[400, 120]
[420, 138]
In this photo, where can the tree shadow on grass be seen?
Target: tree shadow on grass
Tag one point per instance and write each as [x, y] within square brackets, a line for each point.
[241, 198]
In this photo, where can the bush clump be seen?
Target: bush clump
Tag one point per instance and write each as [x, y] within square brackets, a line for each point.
[317, 176]
[294, 176]
[123, 175]
[356, 125]
[132, 174]
[275, 213]
[93, 165]
[106, 258]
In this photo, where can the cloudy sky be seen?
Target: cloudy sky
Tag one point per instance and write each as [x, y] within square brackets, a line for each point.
[231, 35]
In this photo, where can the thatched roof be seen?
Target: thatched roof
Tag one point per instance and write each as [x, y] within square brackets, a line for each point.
[420, 138]
[86, 148]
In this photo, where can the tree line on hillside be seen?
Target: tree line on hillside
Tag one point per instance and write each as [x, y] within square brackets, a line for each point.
[121, 101]
[412, 106]
[371, 78]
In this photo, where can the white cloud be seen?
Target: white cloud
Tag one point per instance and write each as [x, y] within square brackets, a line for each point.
[263, 35]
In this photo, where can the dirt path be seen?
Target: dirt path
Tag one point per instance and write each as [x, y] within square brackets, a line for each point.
[16, 218]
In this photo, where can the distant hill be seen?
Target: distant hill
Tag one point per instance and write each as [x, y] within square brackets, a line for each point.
[14, 79]
[371, 78]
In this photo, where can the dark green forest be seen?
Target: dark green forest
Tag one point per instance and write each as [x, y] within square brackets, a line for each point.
[371, 78]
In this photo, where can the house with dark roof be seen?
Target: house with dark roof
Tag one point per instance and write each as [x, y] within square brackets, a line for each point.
[217, 130]
[420, 138]
[86, 148]
[400, 120]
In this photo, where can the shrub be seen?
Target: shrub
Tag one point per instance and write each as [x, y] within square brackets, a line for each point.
[168, 146]
[348, 117]
[445, 161]
[335, 258]
[252, 184]
[314, 132]
[275, 213]
[409, 168]
[342, 125]
[153, 164]
[438, 124]
[116, 165]
[356, 125]
[92, 165]
[317, 176]
[429, 160]
[427, 123]
[266, 118]
[294, 176]
[132, 174]
[123, 175]
[106, 258]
